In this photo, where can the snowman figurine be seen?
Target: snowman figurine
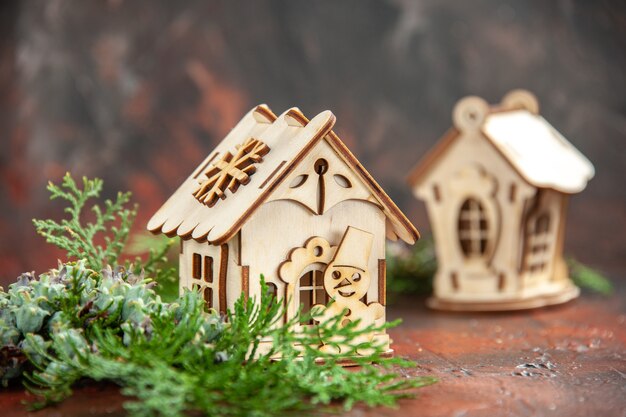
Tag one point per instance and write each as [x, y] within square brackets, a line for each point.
[346, 280]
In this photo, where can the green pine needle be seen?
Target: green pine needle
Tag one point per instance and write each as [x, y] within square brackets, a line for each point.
[177, 358]
[588, 278]
[411, 270]
[80, 239]
[91, 319]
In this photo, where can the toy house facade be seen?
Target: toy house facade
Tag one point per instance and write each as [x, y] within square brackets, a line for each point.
[496, 188]
[282, 196]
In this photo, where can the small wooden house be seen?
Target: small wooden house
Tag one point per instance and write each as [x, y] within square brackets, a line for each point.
[496, 188]
[282, 196]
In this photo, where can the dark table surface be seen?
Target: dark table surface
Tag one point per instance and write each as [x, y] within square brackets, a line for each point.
[565, 361]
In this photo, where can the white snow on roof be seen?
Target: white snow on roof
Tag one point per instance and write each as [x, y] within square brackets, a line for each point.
[539, 153]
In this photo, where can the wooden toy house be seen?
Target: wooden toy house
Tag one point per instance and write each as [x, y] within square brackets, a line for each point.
[496, 188]
[282, 196]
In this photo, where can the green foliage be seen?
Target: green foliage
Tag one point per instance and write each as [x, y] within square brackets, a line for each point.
[160, 264]
[36, 310]
[588, 278]
[191, 361]
[411, 270]
[81, 239]
[87, 319]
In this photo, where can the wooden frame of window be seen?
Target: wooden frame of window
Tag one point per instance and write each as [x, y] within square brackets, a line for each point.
[311, 292]
[473, 228]
[196, 266]
[539, 241]
[202, 276]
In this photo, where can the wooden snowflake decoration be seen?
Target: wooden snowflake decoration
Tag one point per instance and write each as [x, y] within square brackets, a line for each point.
[230, 171]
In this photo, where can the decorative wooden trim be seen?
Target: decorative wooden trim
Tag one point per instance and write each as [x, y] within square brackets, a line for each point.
[321, 187]
[298, 117]
[441, 147]
[196, 266]
[382, 281]
[234, 169]
[530, 208]
[202, 167]
[501, 281]
[245, 281]
[315, 250]
[274, 184]
[178, 207]
[170, 222]
[512, 192]
[520, 99]
[388, 204]
[239, 248]
[560, 234]
[207, 273]
[454, 277]
[426, 163]
[269, 177]
[222, 278]
[436, 193]
[390, 208]
[265, 112]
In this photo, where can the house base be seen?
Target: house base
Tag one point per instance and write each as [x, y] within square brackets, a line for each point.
[566, 294]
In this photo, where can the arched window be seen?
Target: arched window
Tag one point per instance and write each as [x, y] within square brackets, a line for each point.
[539, 239]
[272, 290]
[311, 292]
[473, 228]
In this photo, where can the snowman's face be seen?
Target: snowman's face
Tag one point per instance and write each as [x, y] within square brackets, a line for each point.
[346, 282]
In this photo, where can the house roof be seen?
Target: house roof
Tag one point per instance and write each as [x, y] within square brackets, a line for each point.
[290, 137]
[540, 154]
[532, 146]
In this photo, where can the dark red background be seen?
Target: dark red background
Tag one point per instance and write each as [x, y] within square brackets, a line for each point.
[138, 92]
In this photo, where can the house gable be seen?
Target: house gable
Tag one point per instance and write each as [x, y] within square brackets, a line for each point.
[322, 180]
[457, 152]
